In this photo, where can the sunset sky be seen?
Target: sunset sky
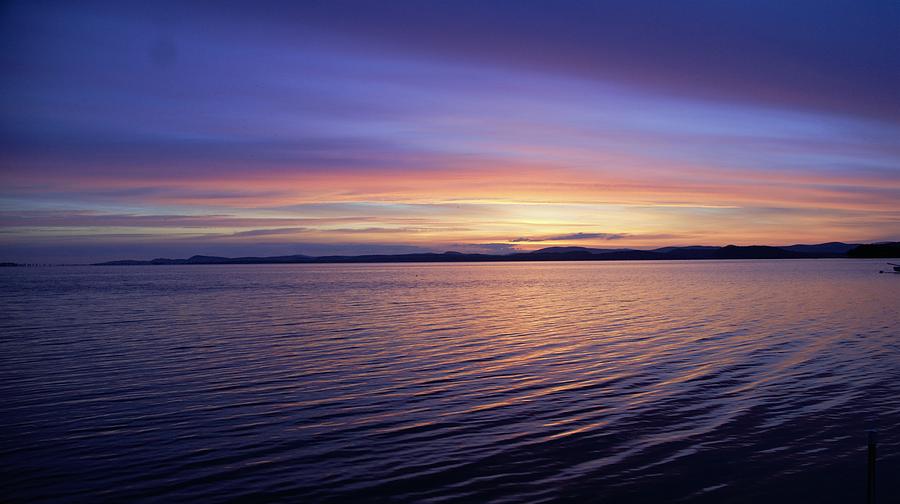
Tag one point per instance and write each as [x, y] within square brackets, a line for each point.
[320, 127]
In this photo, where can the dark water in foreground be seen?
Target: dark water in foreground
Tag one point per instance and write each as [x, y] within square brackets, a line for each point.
[611, 382]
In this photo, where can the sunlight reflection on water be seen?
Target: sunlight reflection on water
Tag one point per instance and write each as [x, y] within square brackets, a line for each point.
[661, 381]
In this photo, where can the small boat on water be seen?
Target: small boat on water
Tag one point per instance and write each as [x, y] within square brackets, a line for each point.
[895, 266]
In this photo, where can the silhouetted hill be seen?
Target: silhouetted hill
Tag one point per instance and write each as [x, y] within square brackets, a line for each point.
[631, 255]
[834, 248]
[695, 252]
[666, 250]
[877, 250]
[756, 252]
[420, 257]
[692, 252]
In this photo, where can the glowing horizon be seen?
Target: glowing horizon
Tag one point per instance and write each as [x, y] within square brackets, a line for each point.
[169, 130]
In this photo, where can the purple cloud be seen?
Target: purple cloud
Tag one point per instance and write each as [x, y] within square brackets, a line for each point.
[572, 236]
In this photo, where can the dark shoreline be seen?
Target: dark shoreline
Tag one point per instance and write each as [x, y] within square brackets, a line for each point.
[730, 252]
[833, 250]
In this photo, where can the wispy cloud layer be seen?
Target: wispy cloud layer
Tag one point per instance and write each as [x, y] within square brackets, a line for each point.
[571, 237]
[447, 125]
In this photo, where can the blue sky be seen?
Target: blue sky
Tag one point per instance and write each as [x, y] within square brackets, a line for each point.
[352, 127]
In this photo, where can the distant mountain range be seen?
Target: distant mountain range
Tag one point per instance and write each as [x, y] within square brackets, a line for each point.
[823, 250]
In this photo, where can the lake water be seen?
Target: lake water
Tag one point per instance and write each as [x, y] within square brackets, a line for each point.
[694, 381]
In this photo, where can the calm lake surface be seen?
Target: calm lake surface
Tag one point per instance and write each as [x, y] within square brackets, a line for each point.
[691, 381]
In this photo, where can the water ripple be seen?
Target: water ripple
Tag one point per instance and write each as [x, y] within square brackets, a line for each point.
[639, 382]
